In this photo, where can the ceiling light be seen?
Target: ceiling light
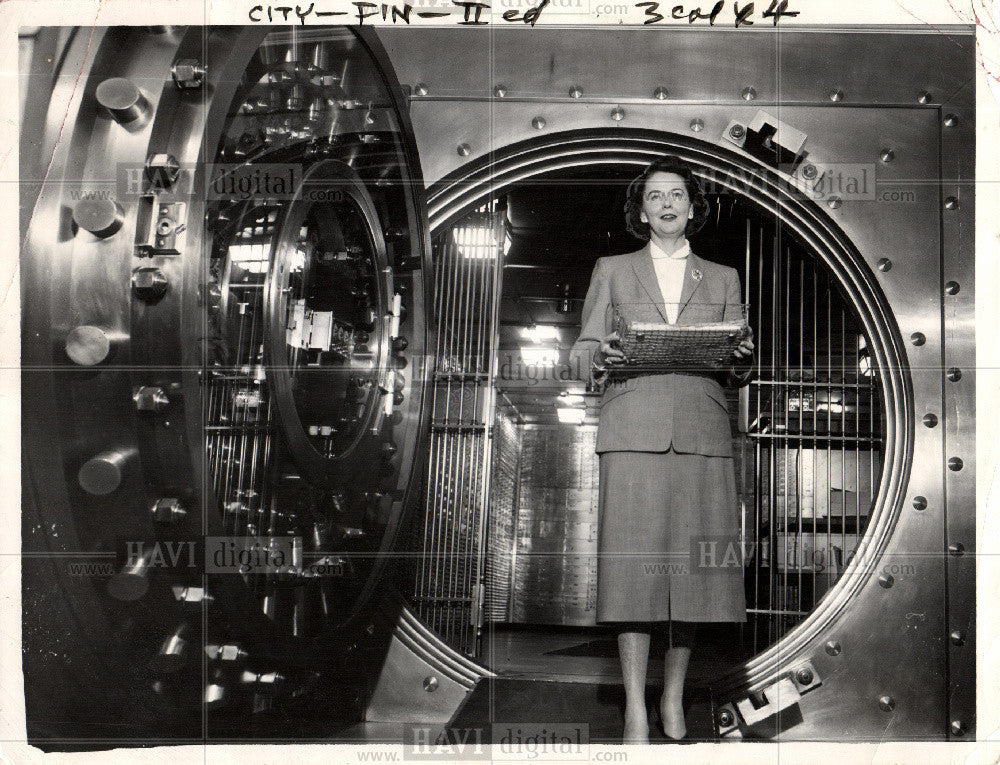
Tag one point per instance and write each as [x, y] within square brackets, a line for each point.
[539, 333]
[571, 415]
[478, 241]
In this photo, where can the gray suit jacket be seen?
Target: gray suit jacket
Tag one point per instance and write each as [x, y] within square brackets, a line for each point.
[654, 412]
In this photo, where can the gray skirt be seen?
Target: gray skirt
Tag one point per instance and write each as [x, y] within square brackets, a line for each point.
[668, 539]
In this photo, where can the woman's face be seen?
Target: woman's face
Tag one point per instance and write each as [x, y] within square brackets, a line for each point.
[666, 206]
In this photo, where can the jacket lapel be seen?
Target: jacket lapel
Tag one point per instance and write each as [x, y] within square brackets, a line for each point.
[693, 274]
[642, 264]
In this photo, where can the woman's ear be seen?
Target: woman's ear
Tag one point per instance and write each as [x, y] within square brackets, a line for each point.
[643, 218]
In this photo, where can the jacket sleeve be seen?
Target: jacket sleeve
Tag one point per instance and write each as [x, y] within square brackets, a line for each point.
[594, 327]
[740, 372]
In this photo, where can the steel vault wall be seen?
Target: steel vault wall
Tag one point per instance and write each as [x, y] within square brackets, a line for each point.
[897, 659]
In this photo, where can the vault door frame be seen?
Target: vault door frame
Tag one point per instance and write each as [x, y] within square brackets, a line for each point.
[501, 99]
[831, 238]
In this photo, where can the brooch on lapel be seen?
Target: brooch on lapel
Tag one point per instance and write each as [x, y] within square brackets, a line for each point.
[696, 275]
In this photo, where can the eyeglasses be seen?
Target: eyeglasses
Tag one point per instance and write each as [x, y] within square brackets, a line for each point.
[675, 195]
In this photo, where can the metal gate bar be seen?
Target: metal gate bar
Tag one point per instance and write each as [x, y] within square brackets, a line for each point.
[450, 582]
[815, 436]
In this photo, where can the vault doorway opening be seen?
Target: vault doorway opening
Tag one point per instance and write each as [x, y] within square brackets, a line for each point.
[812, 433]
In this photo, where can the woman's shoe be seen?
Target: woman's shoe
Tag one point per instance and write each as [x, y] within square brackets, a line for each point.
[683, 739]
[663, 729]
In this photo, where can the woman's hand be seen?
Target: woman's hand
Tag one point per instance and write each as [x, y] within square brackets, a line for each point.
[745, 349]
[610, 351]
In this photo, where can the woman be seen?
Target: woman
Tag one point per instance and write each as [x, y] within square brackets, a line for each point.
[667, 483]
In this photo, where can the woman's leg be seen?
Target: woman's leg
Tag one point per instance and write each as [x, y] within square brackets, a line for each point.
[633, 648]
[675, 666]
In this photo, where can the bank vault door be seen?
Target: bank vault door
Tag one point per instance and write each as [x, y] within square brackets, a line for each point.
[224, 338]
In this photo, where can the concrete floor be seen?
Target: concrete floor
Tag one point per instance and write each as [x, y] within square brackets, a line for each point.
[535, 682]
[534, 653]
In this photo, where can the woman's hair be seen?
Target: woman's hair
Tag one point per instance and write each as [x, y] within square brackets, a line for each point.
[633, 197]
